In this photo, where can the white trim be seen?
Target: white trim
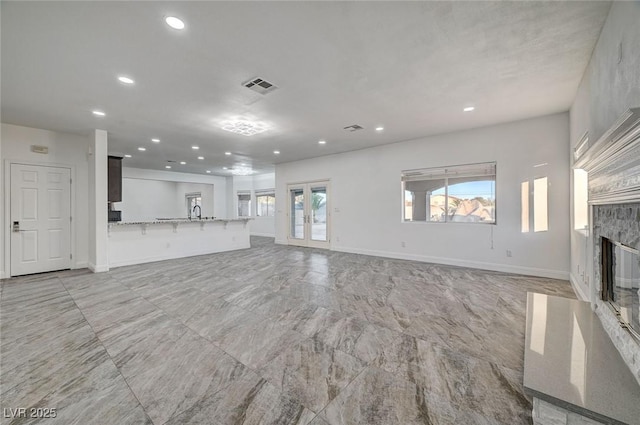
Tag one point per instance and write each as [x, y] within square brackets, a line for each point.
[98, 268]
[3, 275]
[281, 241]
[529, 271]
[578, 288]
[266, 235]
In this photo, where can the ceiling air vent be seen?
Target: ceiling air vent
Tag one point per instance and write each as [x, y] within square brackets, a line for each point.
[354, 127]
[259, 85]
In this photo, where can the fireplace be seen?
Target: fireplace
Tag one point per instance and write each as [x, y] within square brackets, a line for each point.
[613, 172]
[620, 273]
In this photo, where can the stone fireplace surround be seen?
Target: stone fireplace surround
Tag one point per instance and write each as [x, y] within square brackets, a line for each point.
[613, 166]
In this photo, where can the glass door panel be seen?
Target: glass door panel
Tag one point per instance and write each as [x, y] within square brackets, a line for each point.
[297, 213]
[318, 214]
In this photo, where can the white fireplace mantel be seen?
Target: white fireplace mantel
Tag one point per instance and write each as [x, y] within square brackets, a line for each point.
[613, 162]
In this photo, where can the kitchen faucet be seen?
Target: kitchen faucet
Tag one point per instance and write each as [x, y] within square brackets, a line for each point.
[199, 214]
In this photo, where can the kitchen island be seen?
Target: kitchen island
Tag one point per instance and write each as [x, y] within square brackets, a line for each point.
[147, 241]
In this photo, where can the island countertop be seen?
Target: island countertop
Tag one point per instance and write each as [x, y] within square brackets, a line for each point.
[179, 220]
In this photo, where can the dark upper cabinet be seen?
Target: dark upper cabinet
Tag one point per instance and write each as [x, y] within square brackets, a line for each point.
[115, 179]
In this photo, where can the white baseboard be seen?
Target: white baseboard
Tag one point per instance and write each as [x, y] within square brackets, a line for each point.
[281, 242]
[578, 288]
[3, 275]
[100, 268]
[506, 268]
[266, 235]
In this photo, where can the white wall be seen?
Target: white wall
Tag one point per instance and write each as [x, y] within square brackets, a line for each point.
[366, 198]
[149, 194]
[260, 226]
[64, 149]
[611, 84]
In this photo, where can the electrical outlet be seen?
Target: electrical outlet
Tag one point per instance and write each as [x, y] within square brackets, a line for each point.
[402, 244]
[508, 253]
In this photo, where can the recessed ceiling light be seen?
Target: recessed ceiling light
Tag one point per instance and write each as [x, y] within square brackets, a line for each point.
[276, 152]
[167, 166]
[469, 108]
[201, 157]
[182, 163]
[127, 156]
[225, 168]
[379, 128]
[243, 164]
[209, 171]
[125, 80]
[142, 149]
[195, 147]
[227, 153]
[155, 140]
[99, 113]
[174, 22]
[322, 142]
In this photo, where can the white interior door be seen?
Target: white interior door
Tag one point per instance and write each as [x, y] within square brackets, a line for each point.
[40, 219]
[309, 217]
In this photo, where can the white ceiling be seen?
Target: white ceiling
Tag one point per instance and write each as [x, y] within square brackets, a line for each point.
[408, 66]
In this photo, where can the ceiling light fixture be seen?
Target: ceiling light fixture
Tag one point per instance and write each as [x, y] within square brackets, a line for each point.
[195, 147]
[209, 171]
[125, 80]
[469, 108]
[127, 156]
[201, 157]
[98, 113]
[379, 128]
[182, 163]
[322, 142]
[167, 166]
[174, 22]
[142, 149]
[227, 153]
[276, 152]
[225, 168]
[242, 171]
[155, 140]
[246, 128]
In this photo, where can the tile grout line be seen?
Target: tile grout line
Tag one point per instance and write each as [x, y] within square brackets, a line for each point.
[107, 352]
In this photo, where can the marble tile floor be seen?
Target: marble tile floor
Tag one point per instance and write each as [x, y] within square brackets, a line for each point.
[268, 335]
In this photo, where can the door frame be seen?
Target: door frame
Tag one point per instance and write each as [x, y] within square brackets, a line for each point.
[7, 210]
[307, 241]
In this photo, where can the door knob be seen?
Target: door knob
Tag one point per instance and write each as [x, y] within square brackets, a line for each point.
[16, 226]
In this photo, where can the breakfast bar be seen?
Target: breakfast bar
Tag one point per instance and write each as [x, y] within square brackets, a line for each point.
[147, 241]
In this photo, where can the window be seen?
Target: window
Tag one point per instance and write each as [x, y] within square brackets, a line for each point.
[580, 199]
[244, 204]
[540, 205]
[265, 203]
[460, 193]
[194, 204]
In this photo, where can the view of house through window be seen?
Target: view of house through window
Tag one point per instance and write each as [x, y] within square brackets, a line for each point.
[194, 204]
[265, 203]
[244, 204]
[460, 193]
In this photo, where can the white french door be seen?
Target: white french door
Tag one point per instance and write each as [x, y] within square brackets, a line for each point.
[40, 219]
[309, 214]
